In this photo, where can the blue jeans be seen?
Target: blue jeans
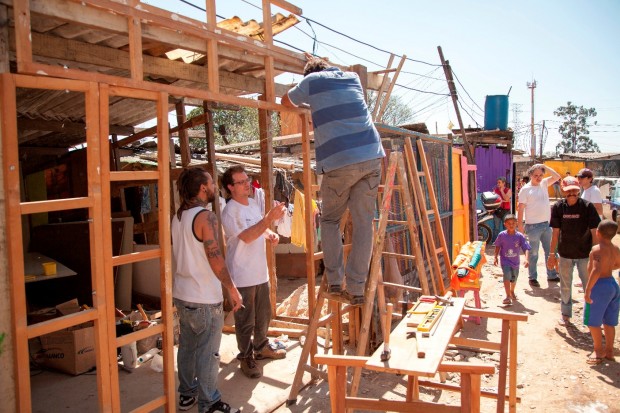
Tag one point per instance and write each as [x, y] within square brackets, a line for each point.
[253, 319]
[354, 186]
[198, 358]
[566, 281]
[537, 234]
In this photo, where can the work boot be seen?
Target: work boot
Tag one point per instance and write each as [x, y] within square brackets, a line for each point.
[269, 353]
[353, 299]
[249, 367]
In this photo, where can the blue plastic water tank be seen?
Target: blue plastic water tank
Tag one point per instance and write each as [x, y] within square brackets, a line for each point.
[496, 112]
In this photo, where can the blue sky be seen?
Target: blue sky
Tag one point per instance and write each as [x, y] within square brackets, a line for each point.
[493, 46]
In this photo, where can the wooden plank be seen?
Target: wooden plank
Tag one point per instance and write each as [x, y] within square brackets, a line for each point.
[105, 249]
[23, 42]
[404, 176]
[398, 406]
[99, 16]
[71, 320]
[136, 257]
[76, 51]
[384, 83]
[151, 405]
[512, 367]
[117, 176]
[102, 298]
[183, 138]
[43, 70]
[391, 87]
[503, 315]
[435, 207]
[427, 236]
[503, 366]
[266, 164]
[35, 207]
[134, 30]
[287, 6]
[4, 41]
[457, 388]
[139, 335]
[405, 358]
[475, 343]
[212, 49]
[307, 180]
[165, 261]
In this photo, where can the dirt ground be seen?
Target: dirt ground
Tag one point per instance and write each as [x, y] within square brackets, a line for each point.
[552, 372]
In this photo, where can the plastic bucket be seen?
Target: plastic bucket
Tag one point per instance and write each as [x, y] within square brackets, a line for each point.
[496, 112]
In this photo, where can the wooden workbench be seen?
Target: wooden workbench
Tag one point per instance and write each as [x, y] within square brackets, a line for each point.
[404, 360]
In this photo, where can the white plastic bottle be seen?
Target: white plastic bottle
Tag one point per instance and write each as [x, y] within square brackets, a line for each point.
[148, 355]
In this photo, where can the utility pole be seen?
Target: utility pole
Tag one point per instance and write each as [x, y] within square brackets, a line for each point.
[542, 138]
[532, 86]
[467, 146]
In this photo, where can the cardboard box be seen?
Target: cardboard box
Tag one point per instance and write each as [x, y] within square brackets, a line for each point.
[71, 351]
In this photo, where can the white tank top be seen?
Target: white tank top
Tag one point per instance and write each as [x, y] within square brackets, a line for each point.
[194, 280]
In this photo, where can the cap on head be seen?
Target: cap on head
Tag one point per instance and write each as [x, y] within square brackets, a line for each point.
[508, 217]
[585, 173]
[569, 183]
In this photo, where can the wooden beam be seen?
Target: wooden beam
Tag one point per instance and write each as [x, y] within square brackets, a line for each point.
[75, 51]
[163, 27]
[266, 163]
[136, 137]
[287, 6]
[66, 127]
[186, 155]
[135, 48]
[4, 40]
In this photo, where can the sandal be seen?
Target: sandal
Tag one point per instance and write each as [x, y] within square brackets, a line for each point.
[507, 301]
[594, 361]
[514, 296]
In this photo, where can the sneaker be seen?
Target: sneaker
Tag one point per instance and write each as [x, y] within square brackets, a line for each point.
[221, 407]
[270, 353]
[564, 320]
[249, 368]
[534, 283]
[186, 402]
[554, 280]
[335, 289]
[353, 299]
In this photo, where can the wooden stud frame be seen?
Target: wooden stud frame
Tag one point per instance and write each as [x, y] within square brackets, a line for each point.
[98, 89]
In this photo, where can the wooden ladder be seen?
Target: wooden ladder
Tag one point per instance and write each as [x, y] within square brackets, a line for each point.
[375, 285]
[429, 240]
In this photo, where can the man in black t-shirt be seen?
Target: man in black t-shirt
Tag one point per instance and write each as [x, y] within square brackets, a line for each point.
[574, 221]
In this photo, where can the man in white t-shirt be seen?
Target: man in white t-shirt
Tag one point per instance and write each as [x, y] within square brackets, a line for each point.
[246, 230]
[534, 203]
[590, 192]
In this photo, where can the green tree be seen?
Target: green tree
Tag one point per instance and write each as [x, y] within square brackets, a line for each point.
[574, 129]
[396, 113]
[233, 125]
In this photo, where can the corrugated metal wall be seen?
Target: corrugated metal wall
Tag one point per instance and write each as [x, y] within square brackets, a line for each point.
[492, 162]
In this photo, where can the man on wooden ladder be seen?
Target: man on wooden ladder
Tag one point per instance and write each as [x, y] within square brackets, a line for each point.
[348, 155]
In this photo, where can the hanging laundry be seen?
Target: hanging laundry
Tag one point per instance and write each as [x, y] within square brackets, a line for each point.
[298, 231]
[283, 189]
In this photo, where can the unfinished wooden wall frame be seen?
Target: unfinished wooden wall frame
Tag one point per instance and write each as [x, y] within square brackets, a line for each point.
[99, 88]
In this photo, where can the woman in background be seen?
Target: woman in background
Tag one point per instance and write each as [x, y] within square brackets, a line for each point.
[505, 195]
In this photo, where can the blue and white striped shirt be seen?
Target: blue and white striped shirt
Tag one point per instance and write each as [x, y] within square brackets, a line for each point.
[344, 133]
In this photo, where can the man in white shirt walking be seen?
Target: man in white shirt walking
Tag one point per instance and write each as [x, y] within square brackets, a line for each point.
[534, 203]
[590, 192]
